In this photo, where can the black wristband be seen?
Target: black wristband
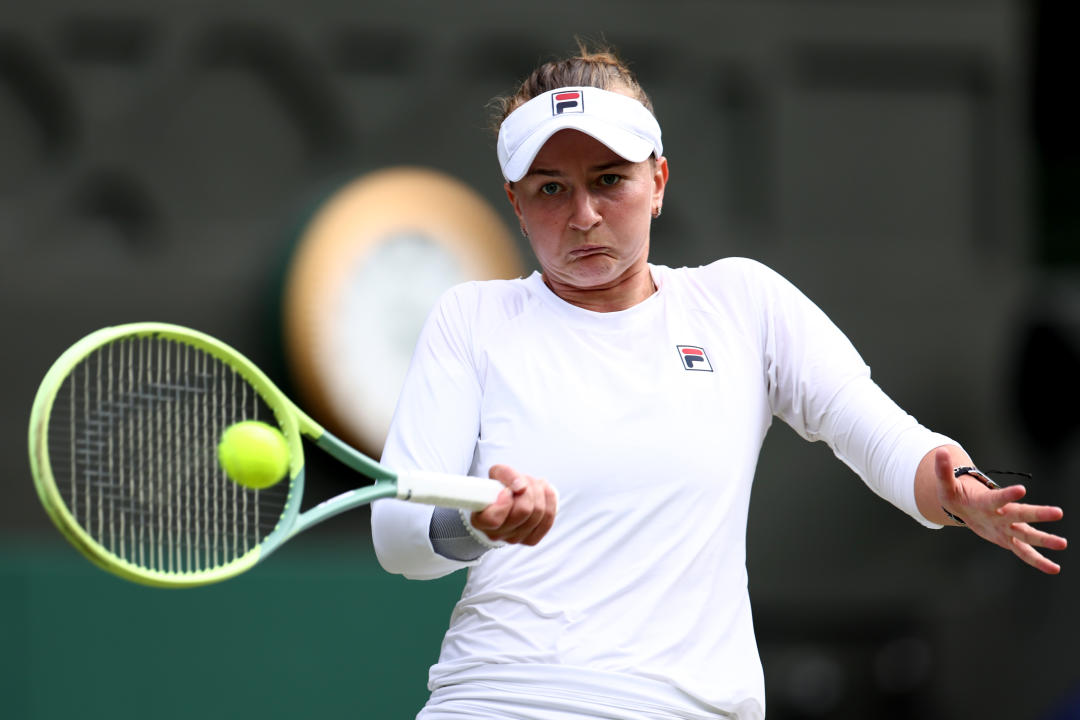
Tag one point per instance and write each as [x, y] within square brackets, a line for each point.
[978, 475]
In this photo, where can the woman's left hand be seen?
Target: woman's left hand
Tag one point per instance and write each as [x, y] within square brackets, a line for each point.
[997, 515]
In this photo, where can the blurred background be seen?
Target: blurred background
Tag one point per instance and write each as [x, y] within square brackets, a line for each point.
[912, 166]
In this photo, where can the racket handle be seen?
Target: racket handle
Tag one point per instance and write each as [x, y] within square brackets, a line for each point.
[458, 491]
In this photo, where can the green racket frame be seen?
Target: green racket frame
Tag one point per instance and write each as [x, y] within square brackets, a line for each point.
[293, 422]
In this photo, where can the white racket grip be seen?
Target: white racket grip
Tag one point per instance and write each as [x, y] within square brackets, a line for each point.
[445, 490]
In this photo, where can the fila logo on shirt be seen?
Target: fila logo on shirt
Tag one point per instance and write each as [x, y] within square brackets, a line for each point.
[567, 102]
[694, 358]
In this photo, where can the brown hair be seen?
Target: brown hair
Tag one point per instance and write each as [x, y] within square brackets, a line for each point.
[600, 68]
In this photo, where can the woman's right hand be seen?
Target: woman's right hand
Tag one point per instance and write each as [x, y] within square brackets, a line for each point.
[524, 514]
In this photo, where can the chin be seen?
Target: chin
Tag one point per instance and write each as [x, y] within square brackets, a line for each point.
[595, 274]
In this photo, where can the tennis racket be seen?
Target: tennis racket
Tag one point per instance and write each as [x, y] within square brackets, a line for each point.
[123, 449]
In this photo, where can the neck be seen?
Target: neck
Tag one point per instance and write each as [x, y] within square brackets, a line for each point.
[624, 293]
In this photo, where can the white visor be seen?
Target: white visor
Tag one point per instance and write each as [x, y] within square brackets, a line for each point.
[619, 121]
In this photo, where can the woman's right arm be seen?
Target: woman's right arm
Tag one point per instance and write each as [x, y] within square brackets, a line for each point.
[435, 427]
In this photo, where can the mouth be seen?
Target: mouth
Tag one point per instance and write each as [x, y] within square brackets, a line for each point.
[587, 250]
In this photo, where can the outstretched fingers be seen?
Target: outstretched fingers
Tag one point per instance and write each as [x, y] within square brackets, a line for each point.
[1023, 539]
[1030, 513]
[1033, 557]
[1032, 536]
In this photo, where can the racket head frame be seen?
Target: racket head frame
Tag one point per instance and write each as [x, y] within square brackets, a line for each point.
[292, 422]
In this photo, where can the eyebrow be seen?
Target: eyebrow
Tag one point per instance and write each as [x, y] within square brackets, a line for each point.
[544, 172]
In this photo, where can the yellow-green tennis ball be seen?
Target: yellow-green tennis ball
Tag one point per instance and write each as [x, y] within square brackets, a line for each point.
[254, 454]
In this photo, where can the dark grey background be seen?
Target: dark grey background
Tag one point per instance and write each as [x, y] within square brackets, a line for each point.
[912, 166]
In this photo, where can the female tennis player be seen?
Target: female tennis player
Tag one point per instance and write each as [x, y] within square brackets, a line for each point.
[642, 393]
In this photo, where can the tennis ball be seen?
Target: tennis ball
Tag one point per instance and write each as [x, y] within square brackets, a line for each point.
[253, 454]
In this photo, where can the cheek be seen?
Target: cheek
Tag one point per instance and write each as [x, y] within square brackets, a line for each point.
[632, 212]
[635, 196]
[542, 243]
[540, 217]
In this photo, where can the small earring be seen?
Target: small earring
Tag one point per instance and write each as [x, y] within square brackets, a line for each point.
[656, 213]
[524, 232]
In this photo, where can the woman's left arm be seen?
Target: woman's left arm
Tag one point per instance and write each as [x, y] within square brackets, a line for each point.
[994, 515]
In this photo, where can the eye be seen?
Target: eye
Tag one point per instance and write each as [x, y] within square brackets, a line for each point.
[550, 188]
[609, 179]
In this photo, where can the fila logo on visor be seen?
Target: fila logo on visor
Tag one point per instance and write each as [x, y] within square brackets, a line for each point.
[694, 358]
[566, 102]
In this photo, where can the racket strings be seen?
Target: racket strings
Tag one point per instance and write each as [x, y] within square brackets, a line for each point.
[138, 421]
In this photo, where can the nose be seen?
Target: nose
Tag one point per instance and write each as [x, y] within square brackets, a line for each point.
[583, 213]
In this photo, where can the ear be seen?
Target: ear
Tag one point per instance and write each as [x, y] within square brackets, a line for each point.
[660, 178]
[508, 187]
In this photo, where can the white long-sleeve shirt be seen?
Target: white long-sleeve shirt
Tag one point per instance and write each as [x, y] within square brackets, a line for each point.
[648, 422]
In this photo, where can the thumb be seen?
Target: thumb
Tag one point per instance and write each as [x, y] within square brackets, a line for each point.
[943, 468]
[508, 476]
